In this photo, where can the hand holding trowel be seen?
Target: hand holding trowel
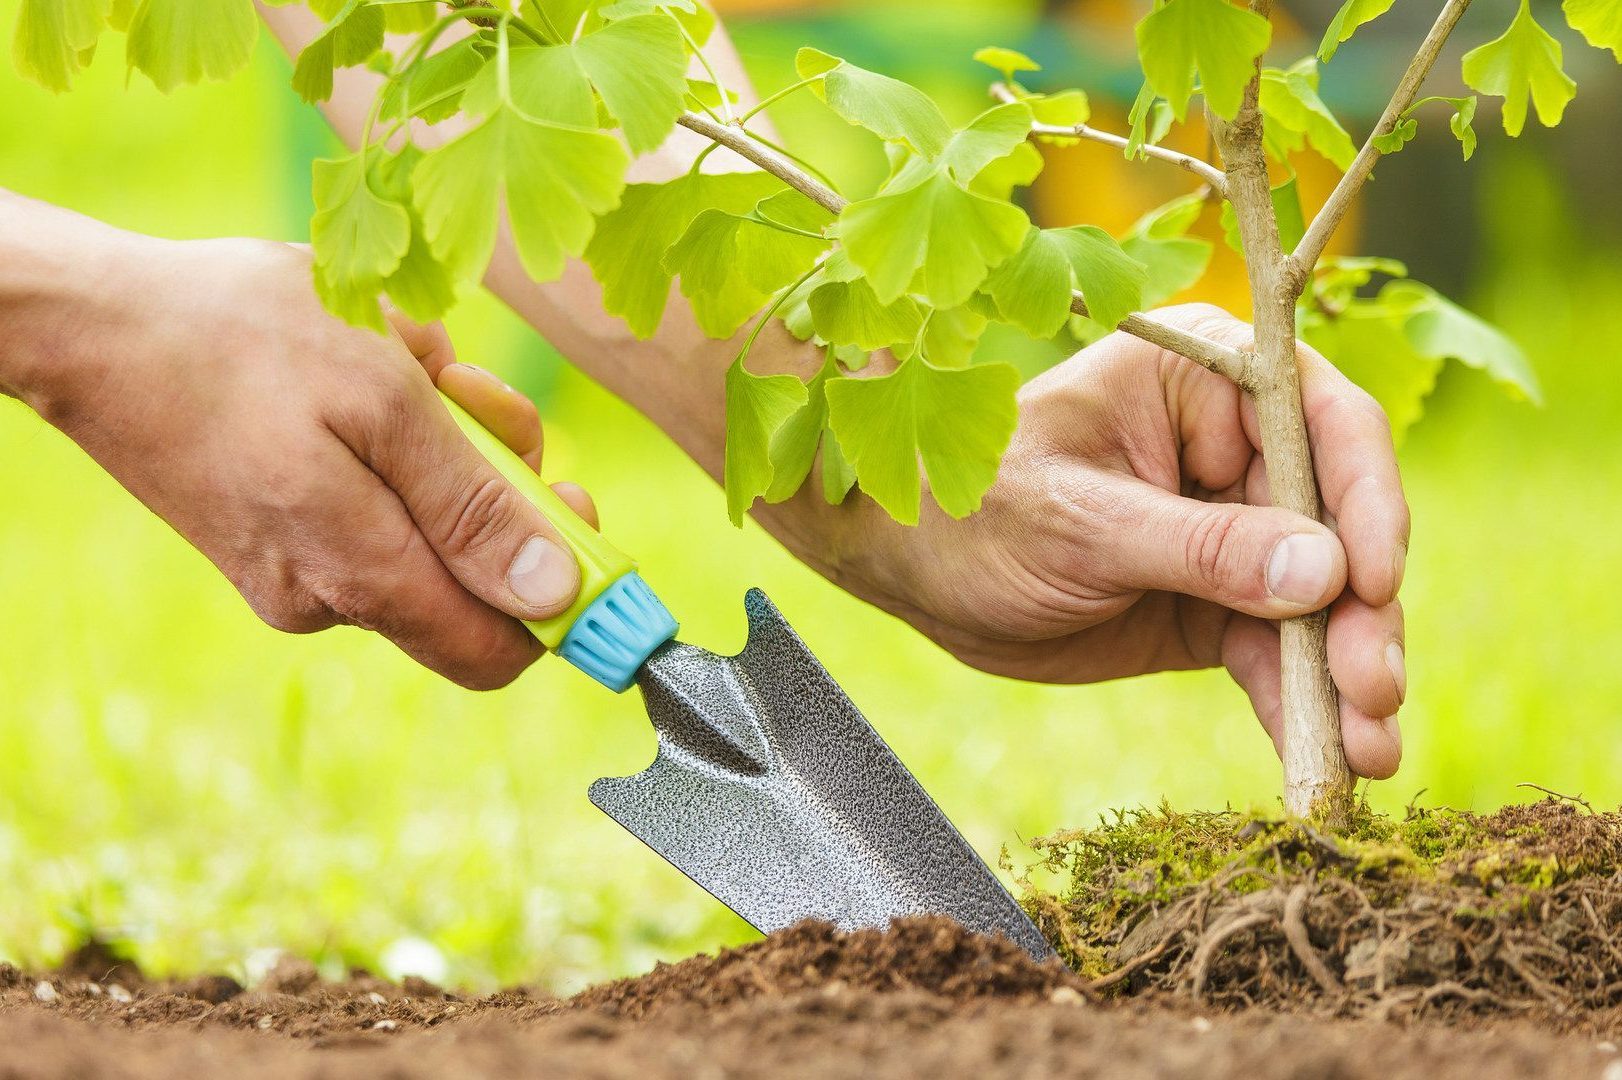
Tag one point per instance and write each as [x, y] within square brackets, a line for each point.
[770, 789]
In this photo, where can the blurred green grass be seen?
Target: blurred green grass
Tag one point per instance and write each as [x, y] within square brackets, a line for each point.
[178, 777]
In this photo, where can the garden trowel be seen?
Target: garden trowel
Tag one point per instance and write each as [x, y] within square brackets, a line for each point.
[770, 790]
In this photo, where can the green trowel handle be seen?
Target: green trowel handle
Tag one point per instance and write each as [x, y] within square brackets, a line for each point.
[601, 563]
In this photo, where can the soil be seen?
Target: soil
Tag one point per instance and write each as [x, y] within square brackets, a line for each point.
[1528, 989]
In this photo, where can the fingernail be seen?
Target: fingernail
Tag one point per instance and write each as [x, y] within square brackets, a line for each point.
[1298, 571]
[1399, 566]
[1398, 663]
[542, 575]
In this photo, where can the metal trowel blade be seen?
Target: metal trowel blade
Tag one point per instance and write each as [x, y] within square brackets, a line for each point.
[772, 792]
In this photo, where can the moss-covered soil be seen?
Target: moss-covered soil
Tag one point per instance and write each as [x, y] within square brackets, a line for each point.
[1440, 913]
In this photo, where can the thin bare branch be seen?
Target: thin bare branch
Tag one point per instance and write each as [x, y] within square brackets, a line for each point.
[1301, 261]
[1222, 359]
[1188, 162]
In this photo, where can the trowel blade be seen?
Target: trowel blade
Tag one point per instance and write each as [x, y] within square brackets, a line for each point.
[772, 792]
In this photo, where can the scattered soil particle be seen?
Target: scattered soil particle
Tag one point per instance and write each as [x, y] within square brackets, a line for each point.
[1496, 952]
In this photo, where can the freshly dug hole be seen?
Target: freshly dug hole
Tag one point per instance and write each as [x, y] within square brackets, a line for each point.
[1441, 913]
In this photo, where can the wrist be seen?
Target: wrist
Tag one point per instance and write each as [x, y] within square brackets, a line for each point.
[67, 300]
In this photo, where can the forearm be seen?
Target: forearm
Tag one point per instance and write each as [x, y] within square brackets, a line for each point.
[63, 295]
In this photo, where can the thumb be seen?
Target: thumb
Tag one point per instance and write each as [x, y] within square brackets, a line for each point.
[492, 539]
[1260, 560]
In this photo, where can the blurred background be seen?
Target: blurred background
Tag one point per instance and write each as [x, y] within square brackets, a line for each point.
[202, 791]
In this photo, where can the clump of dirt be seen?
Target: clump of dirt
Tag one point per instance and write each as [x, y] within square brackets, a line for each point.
[933, 955]
[1441, 913]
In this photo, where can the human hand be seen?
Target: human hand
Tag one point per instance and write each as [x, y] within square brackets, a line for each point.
[309, 460]
[1129, 532]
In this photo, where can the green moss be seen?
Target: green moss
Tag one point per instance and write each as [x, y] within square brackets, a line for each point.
[1091, 887]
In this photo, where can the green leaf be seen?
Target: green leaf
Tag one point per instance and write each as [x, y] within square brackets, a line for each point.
[1007, 61]
[434, 86]
[956, 422]
[627, 251]
[849, 313]
[950, 335]
[637, 66]
[838, 477]
[1211, 39]
[1172, 260]
[1019, 169]
[1110, 280]
[1398, 137]
[1464, 115]
[794, 446]
[1368, 343]
[421, 286]
[1523, 63]
[1287, 209]
[926, 226]
[359, 238]
[757, 407]
[1150, 119]
[988, 138]
[1352, 14]
[556, 181]
[1599, 22]
[889, 108]
[352, 36]
[1067, 108]
[691, 15]
[1289, 100]
[186, 41]
[730, 265]
[52, 35]
[1442, 329]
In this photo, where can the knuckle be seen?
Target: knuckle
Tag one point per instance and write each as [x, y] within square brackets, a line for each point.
[482, 517]
[291, 611]
[350, 603]
[1209, 547]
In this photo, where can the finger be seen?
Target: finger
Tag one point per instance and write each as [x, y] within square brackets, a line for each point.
[579, 501]
[430, 343]
[491, 538]
[1260, 560]
[507, 414]
[1356, 464]
[1250, 651]
[1366, 655]
[382, 574]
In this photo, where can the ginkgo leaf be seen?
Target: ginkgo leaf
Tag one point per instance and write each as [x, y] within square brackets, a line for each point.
[1368, 343]
[1289, 100]
[1464, 115]
[989, 137]
[637, 66]
[433, 87]
[1172, 260]
[353, 35]
[837, 475]
[1599, 22]
[1007, 61]
[889, 108]
[627, 252]
[1067, 108]
[1440, 328]
[794, 446]
[692, 16]
[1211, 39]
[757, 407]
[421, 286]
[1400, 135]
[51, 35]
[731, 265]
[1149, 119]
[956, 422]
[1032, 290]
[359, 238]
[1020, 168]
[1352, 14]
[556, 180]
[849, 313]
[950, 335]
[1522, 64]
[187, 41]
[926, 226]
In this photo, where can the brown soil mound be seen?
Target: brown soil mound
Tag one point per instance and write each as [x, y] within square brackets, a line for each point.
[1445, 914]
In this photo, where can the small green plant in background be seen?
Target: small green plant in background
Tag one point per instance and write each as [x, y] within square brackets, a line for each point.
[553, 99]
